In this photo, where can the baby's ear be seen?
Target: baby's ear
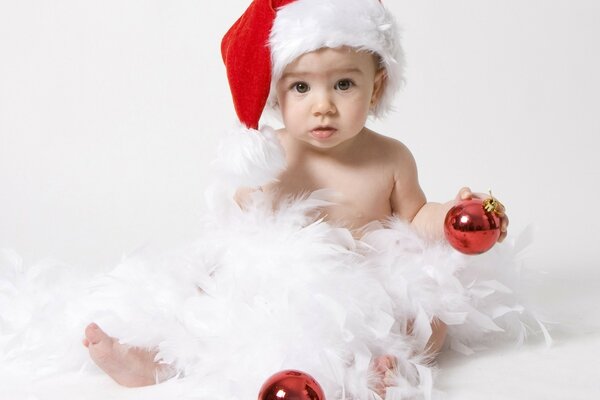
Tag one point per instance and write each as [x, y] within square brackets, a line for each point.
[378, 86]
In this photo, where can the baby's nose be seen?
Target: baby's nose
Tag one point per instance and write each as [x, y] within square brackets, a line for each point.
[323, 105]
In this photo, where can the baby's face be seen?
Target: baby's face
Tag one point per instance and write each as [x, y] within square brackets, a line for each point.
[325, 95]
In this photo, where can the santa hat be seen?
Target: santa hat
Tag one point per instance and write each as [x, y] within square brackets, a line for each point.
[270, 35]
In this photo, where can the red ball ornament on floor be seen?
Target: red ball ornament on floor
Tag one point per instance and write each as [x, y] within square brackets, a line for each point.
[473, 226]
[291, 385]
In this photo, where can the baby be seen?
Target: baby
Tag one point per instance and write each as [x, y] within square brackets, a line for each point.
[325, 95]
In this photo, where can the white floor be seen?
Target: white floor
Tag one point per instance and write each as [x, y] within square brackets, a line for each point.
[568, 370]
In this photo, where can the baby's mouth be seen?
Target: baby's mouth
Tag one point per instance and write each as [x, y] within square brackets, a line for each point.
[323, 132]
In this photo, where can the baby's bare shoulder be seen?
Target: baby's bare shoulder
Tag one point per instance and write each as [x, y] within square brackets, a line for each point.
[390, 150]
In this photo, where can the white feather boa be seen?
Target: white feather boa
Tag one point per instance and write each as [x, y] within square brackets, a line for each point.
[261, 291]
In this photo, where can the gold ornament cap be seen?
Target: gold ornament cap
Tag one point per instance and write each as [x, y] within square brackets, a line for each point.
[492, 205]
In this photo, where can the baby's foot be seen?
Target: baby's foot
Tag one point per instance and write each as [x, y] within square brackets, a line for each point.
[128, 366]
[383, 368]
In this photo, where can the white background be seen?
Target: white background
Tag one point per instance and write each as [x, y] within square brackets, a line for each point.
[110, 111]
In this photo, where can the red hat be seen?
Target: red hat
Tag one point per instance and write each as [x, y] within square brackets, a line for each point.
[273, 33]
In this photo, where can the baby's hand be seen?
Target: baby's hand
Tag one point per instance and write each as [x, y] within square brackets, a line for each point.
[466, 194]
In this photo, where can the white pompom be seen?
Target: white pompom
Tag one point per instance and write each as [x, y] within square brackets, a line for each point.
[249, 158]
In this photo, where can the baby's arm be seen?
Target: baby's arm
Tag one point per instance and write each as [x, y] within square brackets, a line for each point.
[408, 202]
[407, 197]
[429, 219]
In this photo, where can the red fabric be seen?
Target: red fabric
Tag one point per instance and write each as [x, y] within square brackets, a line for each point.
[247, 59]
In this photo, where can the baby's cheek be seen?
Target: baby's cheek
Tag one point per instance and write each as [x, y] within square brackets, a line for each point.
[359, 114]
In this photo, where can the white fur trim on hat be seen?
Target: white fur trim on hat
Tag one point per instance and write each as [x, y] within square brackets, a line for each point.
[308, 25]
[250, 158]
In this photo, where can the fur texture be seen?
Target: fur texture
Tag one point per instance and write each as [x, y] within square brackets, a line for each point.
[249, 158]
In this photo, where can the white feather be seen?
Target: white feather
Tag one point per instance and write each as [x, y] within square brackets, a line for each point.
[260, 291]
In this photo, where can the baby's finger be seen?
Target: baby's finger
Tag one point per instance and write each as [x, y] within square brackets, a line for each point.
[479, 195]
[503, 228]
[504, 223]
[464, 193]
[502, 237]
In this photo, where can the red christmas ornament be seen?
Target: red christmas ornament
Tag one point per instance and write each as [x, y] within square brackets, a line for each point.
[291, 385]
[473, 226]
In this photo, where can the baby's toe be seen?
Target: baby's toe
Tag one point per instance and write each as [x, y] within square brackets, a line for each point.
[95, 335]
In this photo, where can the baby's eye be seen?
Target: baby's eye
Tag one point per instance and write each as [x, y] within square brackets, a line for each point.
[300, 87]
[344, 84]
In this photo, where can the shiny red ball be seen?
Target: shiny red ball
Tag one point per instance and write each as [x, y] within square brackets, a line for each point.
[291, 385]
[470, 229]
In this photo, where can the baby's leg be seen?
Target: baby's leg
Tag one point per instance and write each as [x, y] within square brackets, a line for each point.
[436, 340]
[435, 344]
[128, 366]
[384, 367]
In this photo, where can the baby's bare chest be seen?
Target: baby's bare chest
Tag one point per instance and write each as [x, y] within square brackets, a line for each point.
[361, 193]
